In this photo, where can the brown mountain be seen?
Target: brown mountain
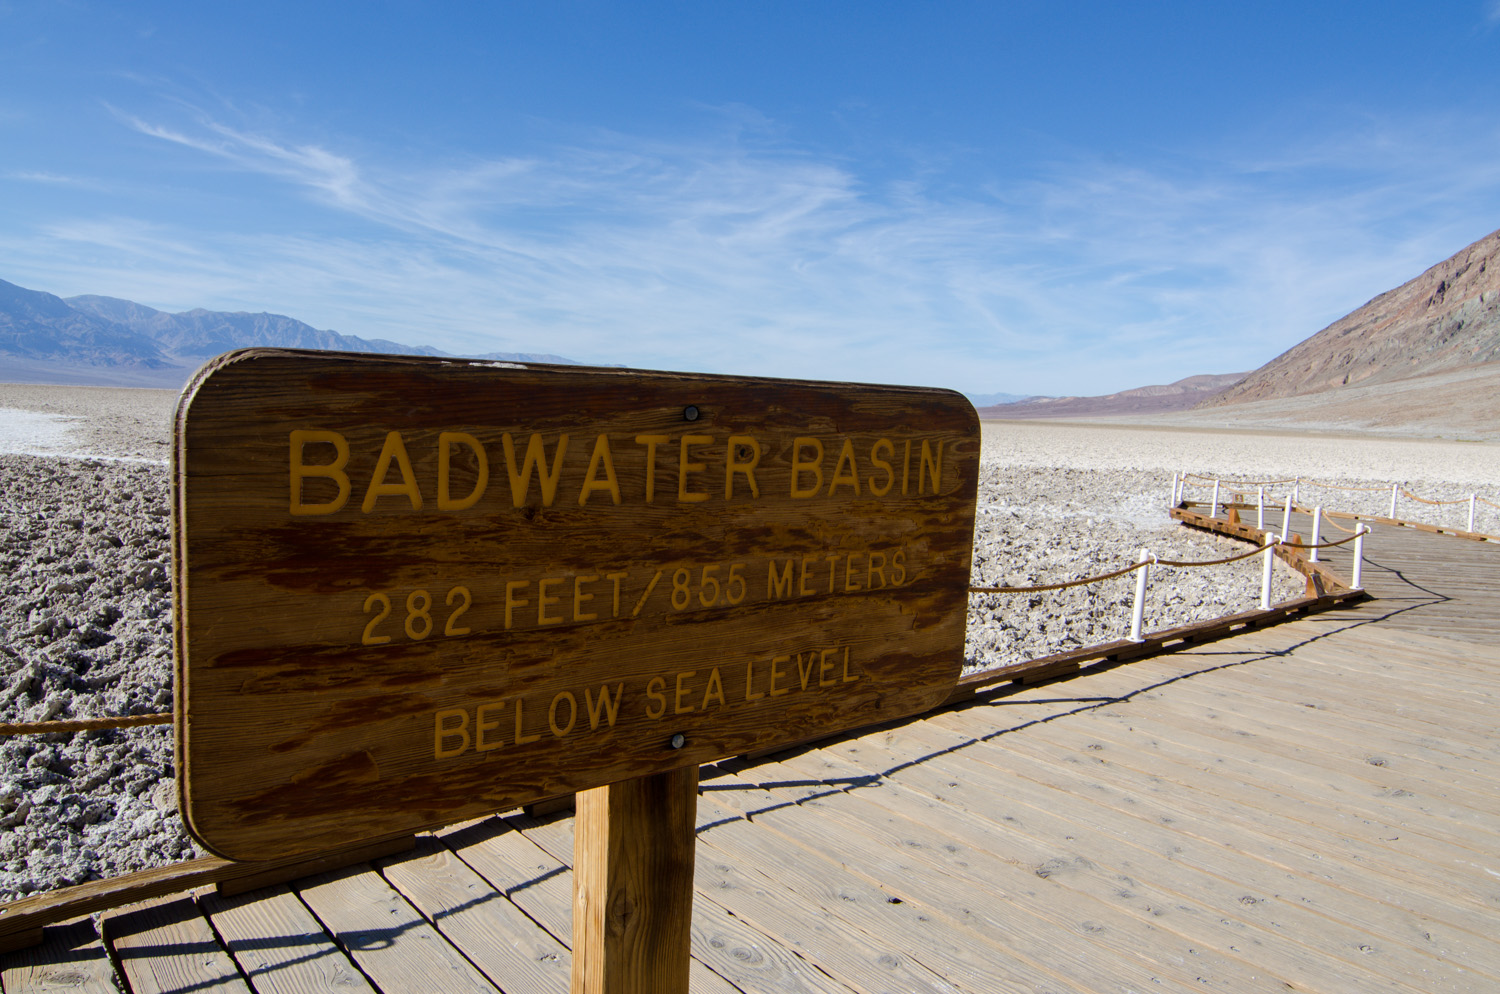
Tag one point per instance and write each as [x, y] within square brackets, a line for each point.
[1440, 324]
[1159, 399]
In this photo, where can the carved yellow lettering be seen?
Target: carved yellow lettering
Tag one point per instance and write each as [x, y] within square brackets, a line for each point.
[833, 570]
[654, 690]
[446, 441]
[905, 467]
[802, 587]
[560, 730]
[684, 467]
[805, 671]
[441, 732]
[872, 570]
[393, 450]
[890, 473]
[800, 466]
[579, 597]
[779, 586]
[847, 677]
[733, 464]
[850, 476]
[825, 668]
[535, 460]
[511, 601]
[898, 567]
[715, 690]
[683, 692]
[601, 459]
[542, 600]
[333, 471]
[520, 713]
[481, 726]
[851, 583]
[610, 709]
[931, 467]
[776, 674]
[651, 442]
[616, 578]
[750, 694]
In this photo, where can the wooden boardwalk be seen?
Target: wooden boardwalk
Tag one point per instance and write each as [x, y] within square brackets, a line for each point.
[1312, 807]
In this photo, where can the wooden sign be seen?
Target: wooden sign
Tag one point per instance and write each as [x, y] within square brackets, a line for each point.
[412, 591]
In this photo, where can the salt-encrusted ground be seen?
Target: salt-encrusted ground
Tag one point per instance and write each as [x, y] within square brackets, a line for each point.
[85, 599]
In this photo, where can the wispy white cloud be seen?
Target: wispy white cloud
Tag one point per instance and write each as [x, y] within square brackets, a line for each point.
[306, 165]
[756, 257]
[61, 181]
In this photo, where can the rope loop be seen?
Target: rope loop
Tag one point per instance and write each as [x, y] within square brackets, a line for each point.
[1152, 560]
[83, 724]
[1407, 493]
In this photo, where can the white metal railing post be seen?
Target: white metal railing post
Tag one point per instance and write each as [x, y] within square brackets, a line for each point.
[1359, 556]
[1265, 573]
[1138, 610]
[1471, 511]
[1395, 489]
[1317, 527]
[1215, 513]
[1174, 489]
[1286, 517]
[1260, 508]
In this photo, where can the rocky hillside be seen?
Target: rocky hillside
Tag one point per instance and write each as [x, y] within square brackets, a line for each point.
[1444, 321]
[1158, 399]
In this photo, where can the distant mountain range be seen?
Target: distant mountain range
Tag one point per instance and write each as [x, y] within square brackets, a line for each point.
[1177, 396]
[108, 341]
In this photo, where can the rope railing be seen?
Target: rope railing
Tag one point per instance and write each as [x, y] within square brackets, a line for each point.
[1147, 560]
[1180, 483]
[1154, 561]
[1407, 493]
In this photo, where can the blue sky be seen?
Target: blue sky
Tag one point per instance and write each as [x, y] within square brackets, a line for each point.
[1024, 197]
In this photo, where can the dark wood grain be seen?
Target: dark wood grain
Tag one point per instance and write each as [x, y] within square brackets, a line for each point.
[375, 643]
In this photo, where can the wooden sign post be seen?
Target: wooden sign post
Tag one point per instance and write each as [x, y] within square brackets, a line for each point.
[411, 591]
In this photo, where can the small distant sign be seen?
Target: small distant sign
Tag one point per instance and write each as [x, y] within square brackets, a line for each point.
[412, 591]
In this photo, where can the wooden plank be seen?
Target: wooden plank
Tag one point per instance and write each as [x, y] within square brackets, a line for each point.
[1168, 853]
[841, 951]
[166, 946]
[535, 881]
[1211, 845]
[67, 957]
[542, 886]
[296, 870]
[739, 856]
[279, 945]
[516, 953]
[396, 567]
[633, 885]
[392, 944]
[984, 844]
[1270, 760]
[22, 919]
[1210, 807]
[1107, 951]
[1404, 738]
[849, 927]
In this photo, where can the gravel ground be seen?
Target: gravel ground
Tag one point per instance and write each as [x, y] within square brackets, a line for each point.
[86, 624]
